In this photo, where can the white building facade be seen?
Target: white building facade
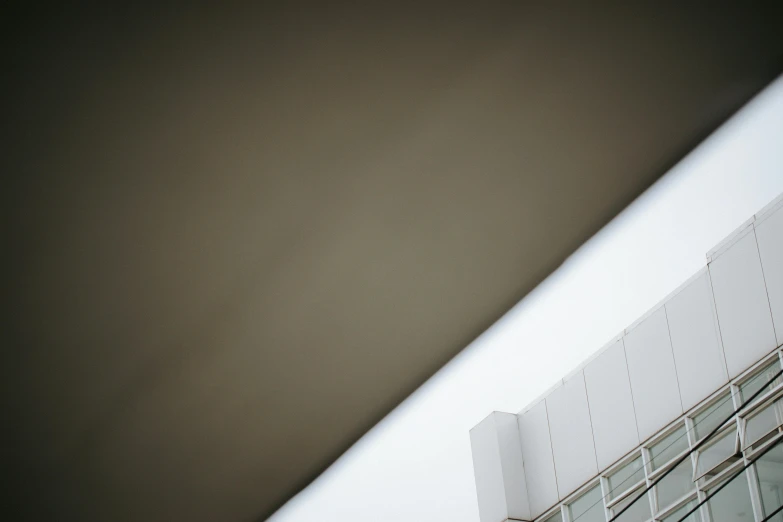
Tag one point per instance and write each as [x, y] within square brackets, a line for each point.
[652, 404]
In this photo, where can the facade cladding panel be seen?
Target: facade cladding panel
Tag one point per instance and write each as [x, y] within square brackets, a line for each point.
[585, 450]
[571, 433]
[537, 457]
[698, 354]
[769, 233]
[490, 490]
[656, 394]
[743, 306]
[611, 405]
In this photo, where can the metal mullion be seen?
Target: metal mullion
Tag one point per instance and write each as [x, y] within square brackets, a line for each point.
[564, 513]
[652, 494]
[742, 427]
[738, 436]
[692, 441]
[736, 397]
[690, 431]
[605, 495]
[755, 494]
[706, 516]
[690, 427]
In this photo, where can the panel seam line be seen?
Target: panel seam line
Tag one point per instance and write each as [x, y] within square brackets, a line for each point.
[717, 320]
[674, 359]
[766, 289]
[524, 469]
[630, 387]
[552, 449]
[590, 416]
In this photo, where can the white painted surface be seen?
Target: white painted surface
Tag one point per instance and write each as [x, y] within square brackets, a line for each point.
[769, 234]
[538, 458]
[488, 472]
[611, 405]
[572, 435]
[513, 468]
[742, 304]
[653, 376]
[698, 355]
[498, 469]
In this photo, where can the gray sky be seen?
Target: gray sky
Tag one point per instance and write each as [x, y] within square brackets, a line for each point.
[416, 464]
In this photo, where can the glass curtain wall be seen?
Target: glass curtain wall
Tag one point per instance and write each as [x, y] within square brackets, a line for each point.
[742, 464]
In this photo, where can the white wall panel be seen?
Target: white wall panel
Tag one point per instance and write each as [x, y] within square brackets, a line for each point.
[488, 472]
[611, 405]
[654, 383]
[698, 355]
[741, 300]
[513, 466]
[537, 455]
[498, 469]
[572, 435]
[769, 234]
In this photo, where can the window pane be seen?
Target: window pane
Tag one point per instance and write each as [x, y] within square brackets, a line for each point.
[732, 503]
[676, 484]
[770, 472]
[668, 448]
[760, 380]
[708, 420]
[714, 454]
[626, 477]
[677, 515]
[639, 510]
[762, 423]
[588, 508]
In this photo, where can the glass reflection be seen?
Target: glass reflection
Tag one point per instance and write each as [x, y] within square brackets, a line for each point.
[677, 515]
[763, 379]
[710, 418]
[769, 469]
[723, 449]
[626, 477]
[588, 508]
[669, 447]
[638, 511]
[676, 484]
[732, 503]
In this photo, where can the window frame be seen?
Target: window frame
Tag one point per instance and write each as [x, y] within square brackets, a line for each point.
[756, 370]
[725, 392]
[717, 438]
[773, 400]
[668, 511]
[579, 493]
[611, 499]
[703, 483]
[652, 473]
